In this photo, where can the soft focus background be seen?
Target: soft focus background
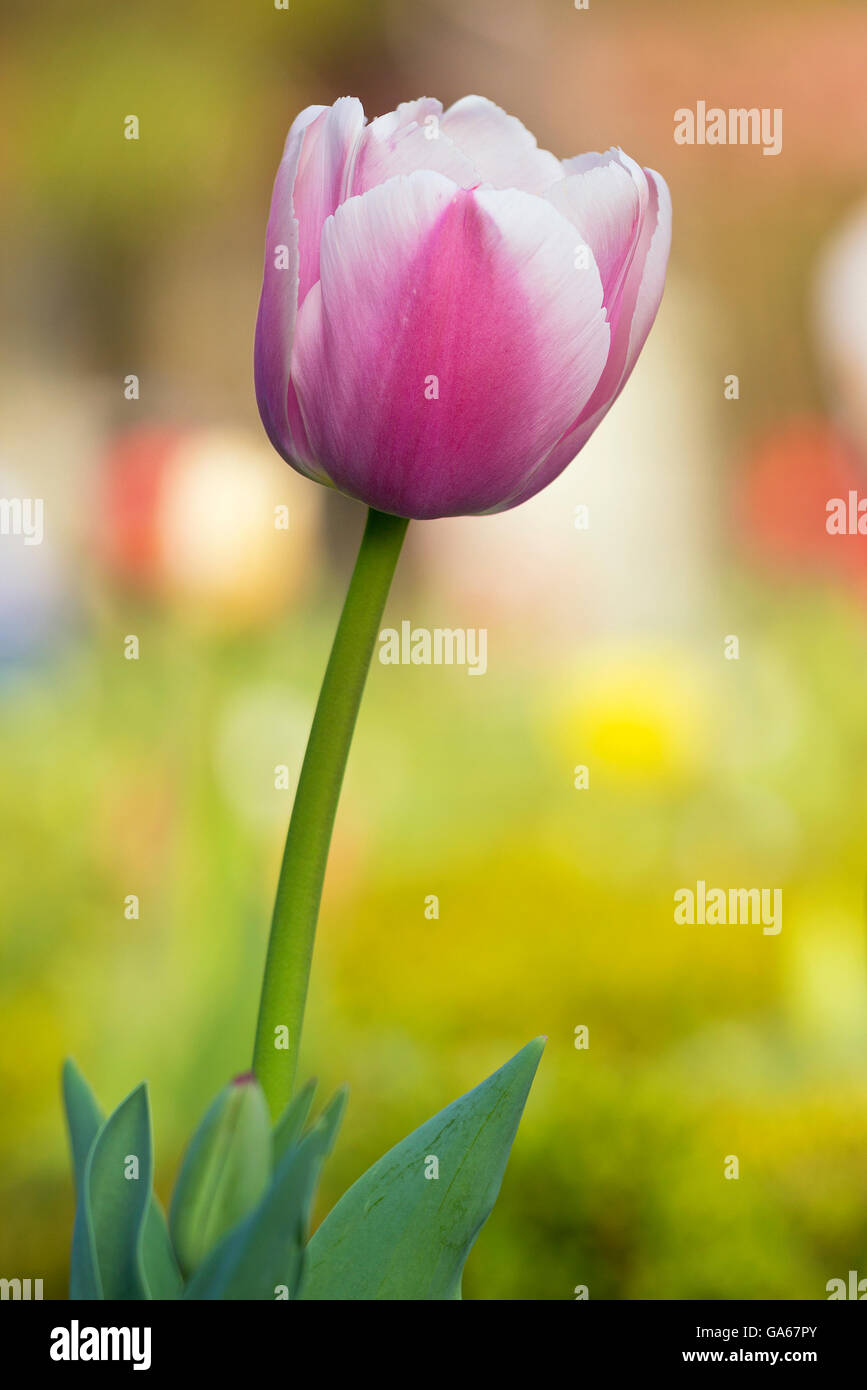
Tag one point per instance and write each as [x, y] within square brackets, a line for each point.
[156, 777]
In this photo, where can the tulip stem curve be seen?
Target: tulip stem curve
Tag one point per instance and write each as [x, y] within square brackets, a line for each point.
[299, 888]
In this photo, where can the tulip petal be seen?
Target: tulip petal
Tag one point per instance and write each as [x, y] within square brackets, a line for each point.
[635, 311]
[321, 184]
[604, 201]
[652, 280]
[278, 304]
[449, 344]
[501, 148]
[405, 140]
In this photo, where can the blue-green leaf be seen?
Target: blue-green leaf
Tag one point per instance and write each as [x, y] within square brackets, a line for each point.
[83, 1115]
[84, 1119]
[404, 1230]
[225, 1171]
[288, 1128]
[117, 1195]
[159, 1269]
[330, 1120]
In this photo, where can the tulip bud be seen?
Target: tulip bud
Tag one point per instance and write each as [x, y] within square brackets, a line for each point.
[224, 1172]
[443, 323]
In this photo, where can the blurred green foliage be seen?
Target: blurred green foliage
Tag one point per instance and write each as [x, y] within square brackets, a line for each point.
[555, 911]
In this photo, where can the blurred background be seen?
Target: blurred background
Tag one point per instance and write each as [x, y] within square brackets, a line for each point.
[155, 777]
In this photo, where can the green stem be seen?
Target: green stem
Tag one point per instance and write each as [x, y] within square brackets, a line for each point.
[296, 909]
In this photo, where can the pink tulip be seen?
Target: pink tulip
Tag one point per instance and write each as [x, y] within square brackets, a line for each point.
[448, 311]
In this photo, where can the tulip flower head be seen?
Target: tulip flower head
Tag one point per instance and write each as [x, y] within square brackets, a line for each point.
[449, 311]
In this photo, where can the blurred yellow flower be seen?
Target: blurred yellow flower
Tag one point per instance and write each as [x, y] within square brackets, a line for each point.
[635, 715]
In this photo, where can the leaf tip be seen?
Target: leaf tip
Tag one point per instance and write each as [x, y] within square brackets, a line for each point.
[138, 1096]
